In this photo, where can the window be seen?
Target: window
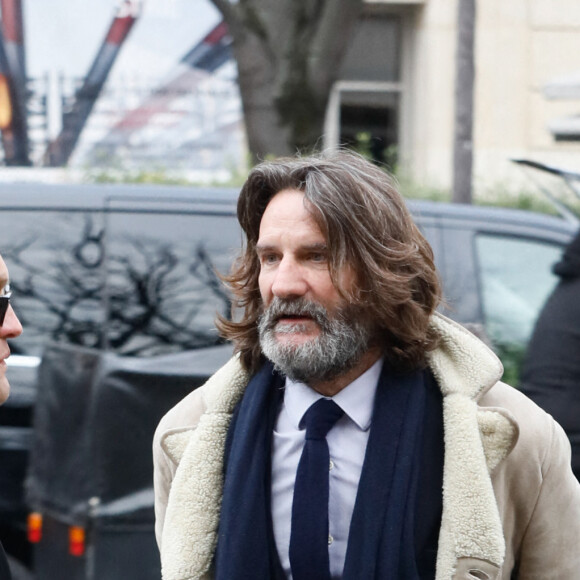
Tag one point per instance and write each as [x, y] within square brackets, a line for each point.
[163, 290]
[54, 259]
[140, 279]
[364, 106]
[516, 278]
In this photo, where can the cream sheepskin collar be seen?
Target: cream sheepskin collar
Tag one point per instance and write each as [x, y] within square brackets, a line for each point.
[476, 441]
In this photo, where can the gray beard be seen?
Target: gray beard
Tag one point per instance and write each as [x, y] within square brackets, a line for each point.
[342, 341]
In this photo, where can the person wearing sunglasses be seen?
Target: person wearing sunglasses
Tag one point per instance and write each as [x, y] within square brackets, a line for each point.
[10, 327]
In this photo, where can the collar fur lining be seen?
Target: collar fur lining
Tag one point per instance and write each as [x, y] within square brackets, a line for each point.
[462, 363]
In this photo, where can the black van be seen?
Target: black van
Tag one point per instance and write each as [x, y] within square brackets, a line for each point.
[131, 271]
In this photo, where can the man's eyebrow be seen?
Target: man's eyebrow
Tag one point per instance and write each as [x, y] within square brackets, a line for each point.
[260, 248]
[316, 246]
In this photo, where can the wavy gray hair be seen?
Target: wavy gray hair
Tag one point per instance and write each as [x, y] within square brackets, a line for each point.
[366, 225]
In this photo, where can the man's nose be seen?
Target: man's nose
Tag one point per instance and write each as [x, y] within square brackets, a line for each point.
[289, 280]
[11, 327]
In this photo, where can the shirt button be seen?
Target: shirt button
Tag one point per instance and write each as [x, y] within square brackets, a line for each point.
[331, 465]
[330, 539]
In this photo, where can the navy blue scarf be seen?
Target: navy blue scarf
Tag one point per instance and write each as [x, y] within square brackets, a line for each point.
[395, 524]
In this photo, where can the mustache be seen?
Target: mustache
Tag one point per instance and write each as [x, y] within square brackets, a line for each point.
[281, 307]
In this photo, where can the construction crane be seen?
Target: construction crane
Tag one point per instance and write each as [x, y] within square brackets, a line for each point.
[74, 120]
[204, 58]
[163, 108]
[210, 53]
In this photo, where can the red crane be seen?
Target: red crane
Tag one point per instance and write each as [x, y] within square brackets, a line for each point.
[206, 56]
[73, 122]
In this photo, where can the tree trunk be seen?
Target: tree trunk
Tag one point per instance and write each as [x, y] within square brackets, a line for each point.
[464, 81]
[266, 133]
[288, 54]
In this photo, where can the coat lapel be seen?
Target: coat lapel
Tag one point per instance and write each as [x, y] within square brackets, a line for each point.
[193, 508]
[476, 441]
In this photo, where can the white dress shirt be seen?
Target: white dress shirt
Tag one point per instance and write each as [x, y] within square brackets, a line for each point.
[347, 442]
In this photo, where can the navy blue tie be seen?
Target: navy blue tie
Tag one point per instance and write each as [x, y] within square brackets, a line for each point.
[309, 535]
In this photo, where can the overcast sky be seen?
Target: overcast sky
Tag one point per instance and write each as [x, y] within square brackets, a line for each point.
[63, 36]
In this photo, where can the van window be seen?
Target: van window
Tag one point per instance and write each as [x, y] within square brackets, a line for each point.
[138, 282]
[54, 259]
[515, 276]
[162, 285]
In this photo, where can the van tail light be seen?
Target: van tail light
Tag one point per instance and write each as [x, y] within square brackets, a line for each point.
[76, 541]
[34, 527]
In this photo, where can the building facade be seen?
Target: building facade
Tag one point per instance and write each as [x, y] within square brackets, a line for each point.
[397, 87]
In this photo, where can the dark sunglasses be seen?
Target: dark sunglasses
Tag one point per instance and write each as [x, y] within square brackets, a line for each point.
[4, 302]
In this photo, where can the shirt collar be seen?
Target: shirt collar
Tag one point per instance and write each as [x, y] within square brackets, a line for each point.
[356, 399]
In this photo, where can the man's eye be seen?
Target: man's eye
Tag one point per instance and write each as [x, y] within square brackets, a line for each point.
[318, 257]
[269, 258]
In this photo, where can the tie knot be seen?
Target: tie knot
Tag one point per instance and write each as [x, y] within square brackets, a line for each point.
[321, 417]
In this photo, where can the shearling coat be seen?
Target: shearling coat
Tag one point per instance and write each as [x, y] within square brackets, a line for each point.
[510, 502]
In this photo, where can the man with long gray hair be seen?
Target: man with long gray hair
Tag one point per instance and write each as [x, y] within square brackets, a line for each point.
[356, 433]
